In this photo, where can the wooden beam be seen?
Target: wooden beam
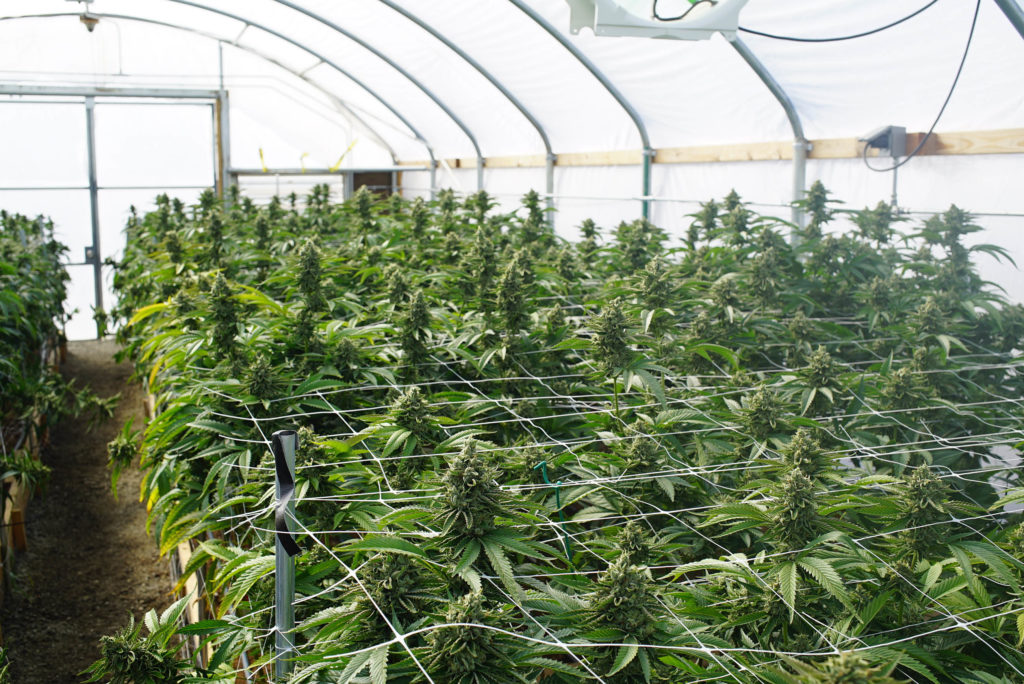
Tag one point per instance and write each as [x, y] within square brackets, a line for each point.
[19, 538]
[16, 518]
[701, 154]
[194, 607]
[191, 582]
[529, 161]
[1004, 141]
[836, 148]
[614, 158]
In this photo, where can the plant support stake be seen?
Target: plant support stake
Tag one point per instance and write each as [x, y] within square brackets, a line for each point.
[283, 444]
[543, 465]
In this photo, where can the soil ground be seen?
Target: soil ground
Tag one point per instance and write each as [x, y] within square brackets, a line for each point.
[89, 562]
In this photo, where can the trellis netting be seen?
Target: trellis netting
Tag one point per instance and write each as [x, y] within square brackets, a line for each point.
[522, 459]
[719, 445]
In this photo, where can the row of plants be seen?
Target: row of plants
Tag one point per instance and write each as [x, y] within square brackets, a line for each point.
[732, 456]
[33, 393]
[33, 287]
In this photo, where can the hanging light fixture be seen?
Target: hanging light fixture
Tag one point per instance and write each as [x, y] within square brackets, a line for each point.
[678, 19]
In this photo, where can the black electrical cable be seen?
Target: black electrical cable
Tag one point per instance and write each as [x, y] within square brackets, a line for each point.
[654, 10]
[949, 96]
[837, 39]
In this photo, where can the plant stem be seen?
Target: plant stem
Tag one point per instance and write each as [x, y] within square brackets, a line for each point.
[615, 397]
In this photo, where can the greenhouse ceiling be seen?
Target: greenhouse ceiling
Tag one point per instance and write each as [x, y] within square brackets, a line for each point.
[496, 78]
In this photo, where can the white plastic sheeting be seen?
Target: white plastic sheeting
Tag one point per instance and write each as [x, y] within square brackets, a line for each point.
[160, 146]
[685, 92]
[307, 78]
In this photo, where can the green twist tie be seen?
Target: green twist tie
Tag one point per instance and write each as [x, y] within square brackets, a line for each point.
[566, 540]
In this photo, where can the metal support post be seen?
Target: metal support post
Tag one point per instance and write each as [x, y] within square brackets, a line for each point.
[284, 444]
[350, 184]
[94, 205]
[220, 65]
[800, 142]
[549, 186]
[215, 145]
[895, 197]
[581, 57]
[800, 150]
[433, 179]
[223, 140]
[218, 149]
[480, 69]
[225, 135]
[645, 208]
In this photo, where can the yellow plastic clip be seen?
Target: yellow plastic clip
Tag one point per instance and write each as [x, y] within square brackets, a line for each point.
[337, 164]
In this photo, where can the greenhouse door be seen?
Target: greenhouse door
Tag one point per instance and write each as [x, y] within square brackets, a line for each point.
[84, 161]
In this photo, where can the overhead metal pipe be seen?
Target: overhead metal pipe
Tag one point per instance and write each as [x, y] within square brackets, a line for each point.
[100, 91]
[800, 143]
[343, 108]
[549, 180]
[1014, 13]
[329, 62]
[397, 67]
[630, 110]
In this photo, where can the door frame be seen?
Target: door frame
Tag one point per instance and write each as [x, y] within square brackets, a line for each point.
[218, 99]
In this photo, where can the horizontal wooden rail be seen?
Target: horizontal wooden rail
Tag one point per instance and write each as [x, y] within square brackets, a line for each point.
[1004, 141]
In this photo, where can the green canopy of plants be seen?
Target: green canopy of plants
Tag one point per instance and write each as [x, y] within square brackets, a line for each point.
[731, 457]
[33, 287]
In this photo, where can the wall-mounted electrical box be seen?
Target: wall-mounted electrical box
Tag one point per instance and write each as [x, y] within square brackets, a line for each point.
[891, 138]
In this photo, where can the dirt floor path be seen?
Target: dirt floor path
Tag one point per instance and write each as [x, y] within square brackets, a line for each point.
[89, 563]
